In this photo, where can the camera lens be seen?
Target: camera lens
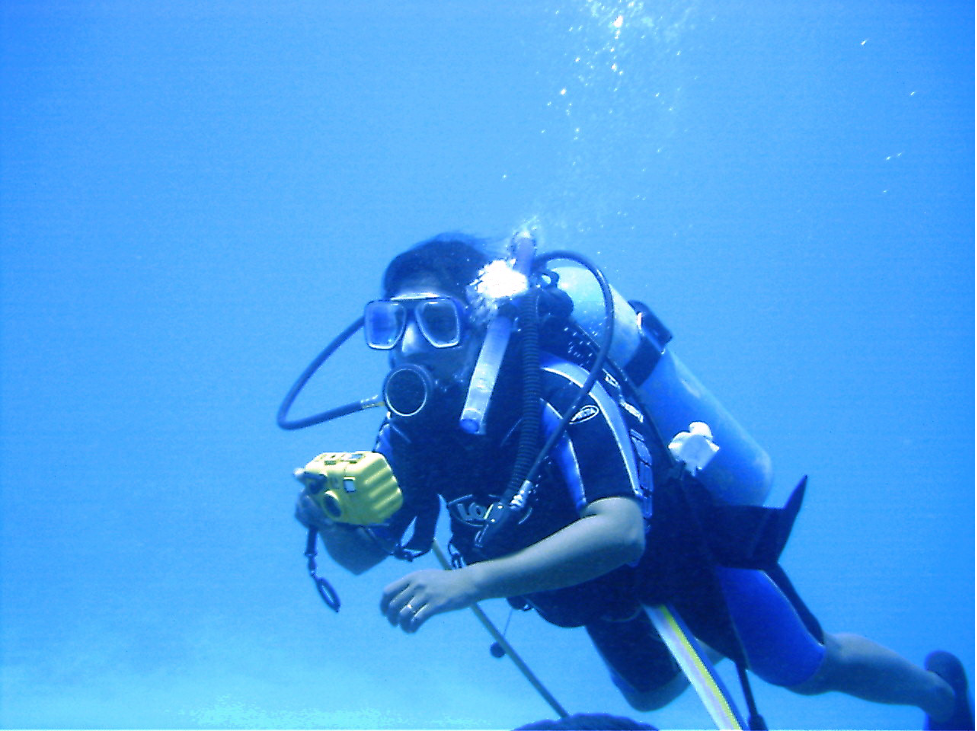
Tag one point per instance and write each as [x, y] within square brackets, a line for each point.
[332, 506]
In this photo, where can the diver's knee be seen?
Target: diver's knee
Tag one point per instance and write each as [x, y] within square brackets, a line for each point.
[649, 701]
[812, 686]
[821, 680]
[656, 698]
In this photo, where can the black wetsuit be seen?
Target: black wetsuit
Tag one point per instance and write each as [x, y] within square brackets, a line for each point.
[603, 454]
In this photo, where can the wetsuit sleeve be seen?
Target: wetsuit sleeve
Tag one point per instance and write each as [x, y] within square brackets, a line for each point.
[419, 509]
[595, 456]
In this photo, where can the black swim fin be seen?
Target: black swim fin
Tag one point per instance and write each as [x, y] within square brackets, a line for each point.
[949, 668]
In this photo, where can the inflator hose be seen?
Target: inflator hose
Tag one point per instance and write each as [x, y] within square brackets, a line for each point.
[599, 361]
[510, 505]
[531, 383]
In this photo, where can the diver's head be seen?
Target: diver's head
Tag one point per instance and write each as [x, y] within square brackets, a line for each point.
[448, 261]
[425, 320]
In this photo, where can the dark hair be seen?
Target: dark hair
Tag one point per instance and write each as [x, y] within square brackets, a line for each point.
[453, 260]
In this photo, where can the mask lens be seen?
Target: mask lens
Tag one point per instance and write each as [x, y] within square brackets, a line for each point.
[440, 322]
[384, 322]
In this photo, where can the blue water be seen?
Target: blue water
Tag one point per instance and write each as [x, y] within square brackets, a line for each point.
[196, 196]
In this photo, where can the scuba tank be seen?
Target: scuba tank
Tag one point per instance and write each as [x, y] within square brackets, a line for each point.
[740, 472]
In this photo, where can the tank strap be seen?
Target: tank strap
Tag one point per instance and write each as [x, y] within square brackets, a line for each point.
[646, 480]
[654, 337]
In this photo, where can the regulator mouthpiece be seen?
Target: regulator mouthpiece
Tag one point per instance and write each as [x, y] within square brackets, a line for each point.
[407, 390]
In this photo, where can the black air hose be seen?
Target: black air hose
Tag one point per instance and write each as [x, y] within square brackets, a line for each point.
[532, 389]
[504, 513]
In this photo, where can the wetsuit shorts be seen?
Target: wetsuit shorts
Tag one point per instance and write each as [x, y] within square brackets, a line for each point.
[783, 642]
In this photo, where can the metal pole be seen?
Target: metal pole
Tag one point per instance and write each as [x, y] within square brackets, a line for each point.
[504, 643]
[697, 668]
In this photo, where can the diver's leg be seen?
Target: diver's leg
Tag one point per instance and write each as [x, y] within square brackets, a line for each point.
[865, 669]
[639, 662]
[781, 648]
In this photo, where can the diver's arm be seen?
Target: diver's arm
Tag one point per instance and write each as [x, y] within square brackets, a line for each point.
[351, 547]
[609, 534]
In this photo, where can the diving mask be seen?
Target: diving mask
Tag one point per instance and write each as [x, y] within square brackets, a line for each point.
[440, 319]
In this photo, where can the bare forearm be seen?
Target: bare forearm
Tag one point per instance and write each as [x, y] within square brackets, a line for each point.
[609, 533]
[590, 547]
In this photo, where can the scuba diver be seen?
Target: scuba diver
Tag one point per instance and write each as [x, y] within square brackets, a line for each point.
[585, 479]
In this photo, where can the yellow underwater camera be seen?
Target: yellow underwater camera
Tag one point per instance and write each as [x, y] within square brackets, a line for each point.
[357, 488]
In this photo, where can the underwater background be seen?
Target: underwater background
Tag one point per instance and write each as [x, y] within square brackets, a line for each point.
[197, 195]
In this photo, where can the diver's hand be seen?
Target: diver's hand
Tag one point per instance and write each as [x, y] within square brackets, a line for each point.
[412, 600]
[309, 514]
